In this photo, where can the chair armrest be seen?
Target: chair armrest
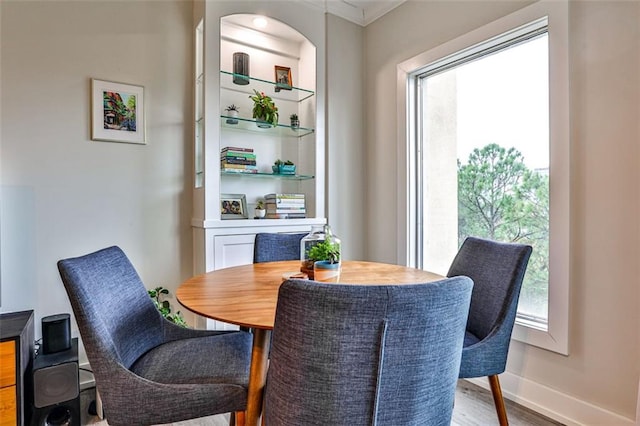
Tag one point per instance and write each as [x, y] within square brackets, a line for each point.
[172, 332]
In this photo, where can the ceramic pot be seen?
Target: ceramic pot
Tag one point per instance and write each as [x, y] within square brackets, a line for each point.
[325, 271]
[233, 117]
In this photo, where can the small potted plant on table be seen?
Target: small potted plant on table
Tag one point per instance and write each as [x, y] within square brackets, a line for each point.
[322, 261]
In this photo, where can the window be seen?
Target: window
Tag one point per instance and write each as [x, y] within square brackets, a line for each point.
[487, 155]
[483, 152]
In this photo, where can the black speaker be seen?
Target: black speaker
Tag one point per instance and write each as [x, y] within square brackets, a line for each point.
[56, 333]
[56, 388]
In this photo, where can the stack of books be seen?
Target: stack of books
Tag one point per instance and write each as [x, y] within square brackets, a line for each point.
[238, 160]
[285, 206]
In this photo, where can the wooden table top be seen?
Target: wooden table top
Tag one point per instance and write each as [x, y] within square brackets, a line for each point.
[247, 295]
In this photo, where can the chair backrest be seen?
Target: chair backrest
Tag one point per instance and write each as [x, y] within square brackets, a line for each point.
[115, 315]
[366, 355]
[497, 270]
[271, 247]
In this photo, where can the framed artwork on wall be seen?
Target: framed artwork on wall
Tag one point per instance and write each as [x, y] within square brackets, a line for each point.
[117, 112]
[283, 78]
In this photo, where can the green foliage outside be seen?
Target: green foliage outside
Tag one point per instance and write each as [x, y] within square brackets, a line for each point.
[157, 294]
[501, 199]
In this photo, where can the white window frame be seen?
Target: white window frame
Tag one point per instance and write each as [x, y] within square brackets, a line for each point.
[555, 338]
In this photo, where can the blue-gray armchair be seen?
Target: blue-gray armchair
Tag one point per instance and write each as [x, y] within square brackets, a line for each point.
[497, 270]
[271, 247]
[353, 355]
[147, 369]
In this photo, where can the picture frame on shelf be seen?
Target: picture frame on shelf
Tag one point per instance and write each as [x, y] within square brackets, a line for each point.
[283, 78]
[233, 206]
[117, 112]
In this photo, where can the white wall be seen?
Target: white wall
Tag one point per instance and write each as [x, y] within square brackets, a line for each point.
[346, 164]
[64, 195]
[600, 376]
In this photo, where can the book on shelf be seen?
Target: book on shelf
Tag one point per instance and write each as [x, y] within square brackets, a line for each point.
[225, 170]
[272, 206]
[286, 211]
[237, 149]
[286, 215]
[239, 166]
[286, 201]
[238, 162]
[284, 204]
[232, 156]
[284, 196]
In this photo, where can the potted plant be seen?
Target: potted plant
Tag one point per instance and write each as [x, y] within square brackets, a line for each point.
[264, 110]
[260, 211]
[165, 307]
[283, 167]
[322, 260]
[232, 112]
[295, 122]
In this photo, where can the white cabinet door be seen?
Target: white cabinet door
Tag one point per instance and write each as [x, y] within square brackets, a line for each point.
[233, 250]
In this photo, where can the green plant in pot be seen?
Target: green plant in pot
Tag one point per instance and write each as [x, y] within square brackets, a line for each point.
[232, 112]
[157, 294]
[326, 253]
[284, 167]
[260, 212]
[264, 110]
[295, 121]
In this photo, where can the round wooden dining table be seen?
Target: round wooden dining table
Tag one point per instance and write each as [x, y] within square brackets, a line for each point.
[247, 296]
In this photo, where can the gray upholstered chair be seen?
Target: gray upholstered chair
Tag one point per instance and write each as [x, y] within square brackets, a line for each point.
[271, 247]
[366, 355]
[497, 270]
[147, 369]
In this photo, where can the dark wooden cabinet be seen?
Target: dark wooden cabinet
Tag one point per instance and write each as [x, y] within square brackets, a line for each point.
[16, 355]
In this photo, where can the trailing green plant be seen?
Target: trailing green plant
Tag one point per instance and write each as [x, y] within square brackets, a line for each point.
[263, 108]
[156, 295]
[324, 250]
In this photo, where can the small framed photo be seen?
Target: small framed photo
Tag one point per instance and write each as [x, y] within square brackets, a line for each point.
[117, 112]
[283, 78]
[233, 206]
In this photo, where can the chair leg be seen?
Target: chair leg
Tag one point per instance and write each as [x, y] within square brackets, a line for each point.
[496, 390]
[236, 419]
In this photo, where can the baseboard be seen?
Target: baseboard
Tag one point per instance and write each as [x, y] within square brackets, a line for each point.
[552, 403]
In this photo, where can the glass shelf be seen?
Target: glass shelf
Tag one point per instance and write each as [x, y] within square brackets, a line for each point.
[247, 124]
[267, 176]
[273, 89]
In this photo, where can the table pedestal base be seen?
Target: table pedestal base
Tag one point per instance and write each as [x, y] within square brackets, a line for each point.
[257, 375]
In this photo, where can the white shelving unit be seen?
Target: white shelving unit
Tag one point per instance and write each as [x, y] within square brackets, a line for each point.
[223, 243]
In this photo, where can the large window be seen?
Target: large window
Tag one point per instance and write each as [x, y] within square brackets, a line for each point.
[483, 152]
[487, 154]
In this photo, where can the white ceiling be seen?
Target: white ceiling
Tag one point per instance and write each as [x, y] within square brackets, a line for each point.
[361, 12]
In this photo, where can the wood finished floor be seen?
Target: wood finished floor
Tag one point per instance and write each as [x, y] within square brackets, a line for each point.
[473, 407]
